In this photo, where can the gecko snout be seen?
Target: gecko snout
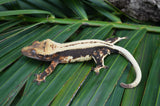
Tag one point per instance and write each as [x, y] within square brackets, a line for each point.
[29, 52]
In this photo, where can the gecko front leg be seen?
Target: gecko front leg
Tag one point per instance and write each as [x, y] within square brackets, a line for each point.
[42, 76]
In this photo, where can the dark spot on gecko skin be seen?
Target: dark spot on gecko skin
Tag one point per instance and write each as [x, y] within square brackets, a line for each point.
[47, 57]
[44, 46]
[35, 45]
[69, 61]
[40, 56]
[52, 47]
[107, 51]
[95, 53]
[54, 55]
[52, 67]
[62, 59]
[43, 74]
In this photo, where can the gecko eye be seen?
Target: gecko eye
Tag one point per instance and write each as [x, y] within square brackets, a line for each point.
[33, 52]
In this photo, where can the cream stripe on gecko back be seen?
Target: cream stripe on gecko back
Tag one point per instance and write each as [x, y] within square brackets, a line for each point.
[83, 44]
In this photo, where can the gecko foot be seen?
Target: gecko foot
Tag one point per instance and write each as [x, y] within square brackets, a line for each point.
[97, 69]
[39, 78]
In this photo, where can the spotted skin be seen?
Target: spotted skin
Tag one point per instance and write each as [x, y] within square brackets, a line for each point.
[77, 51]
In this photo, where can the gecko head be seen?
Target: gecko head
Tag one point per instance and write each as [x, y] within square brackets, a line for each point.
[30, 51]
[39, 49]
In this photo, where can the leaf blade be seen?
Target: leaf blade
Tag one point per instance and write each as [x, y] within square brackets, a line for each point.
[152, 86]
[20, 12]
[5, 1]
[77, 7]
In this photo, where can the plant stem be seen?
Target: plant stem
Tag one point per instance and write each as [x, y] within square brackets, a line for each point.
[103, 23]
[85, 22]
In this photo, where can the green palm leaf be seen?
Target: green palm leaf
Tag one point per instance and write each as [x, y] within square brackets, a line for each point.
[23, 22]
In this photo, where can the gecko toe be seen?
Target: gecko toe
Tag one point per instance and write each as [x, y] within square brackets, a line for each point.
[106, 67]
[39, 79]
[35, 74]
[44, 80]
[34, 80]
[38, 82]
[97, 73]
[92, 69]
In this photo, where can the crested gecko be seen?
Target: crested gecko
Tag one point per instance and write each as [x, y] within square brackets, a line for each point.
[78, 51]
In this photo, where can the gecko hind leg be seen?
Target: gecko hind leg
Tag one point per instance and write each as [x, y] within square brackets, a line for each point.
[97, 68]
[42, 76]
[115, 40]
[98, 57]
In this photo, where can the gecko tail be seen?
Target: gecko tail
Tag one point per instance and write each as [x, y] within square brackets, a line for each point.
[126, 85]
[135, 65]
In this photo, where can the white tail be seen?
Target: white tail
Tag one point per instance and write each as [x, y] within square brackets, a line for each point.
[135, 65]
